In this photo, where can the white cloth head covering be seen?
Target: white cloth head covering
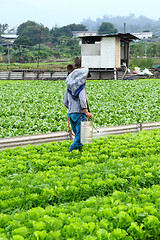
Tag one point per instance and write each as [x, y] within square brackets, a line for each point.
[76, 80]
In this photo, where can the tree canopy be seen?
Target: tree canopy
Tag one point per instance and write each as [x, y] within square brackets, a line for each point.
[3, 28]
[133, 24]
[31, 30]
[22, 41]
[67, 30]
[107, 28]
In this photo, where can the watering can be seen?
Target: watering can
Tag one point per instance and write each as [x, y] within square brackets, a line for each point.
[86, 131]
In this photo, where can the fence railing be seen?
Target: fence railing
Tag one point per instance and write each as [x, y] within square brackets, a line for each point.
[22, 141]
[32, 75]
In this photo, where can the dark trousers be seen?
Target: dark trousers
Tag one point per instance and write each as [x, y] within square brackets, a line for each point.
[75, 121]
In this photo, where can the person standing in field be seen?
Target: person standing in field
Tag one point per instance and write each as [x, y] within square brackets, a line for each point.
[76, 100]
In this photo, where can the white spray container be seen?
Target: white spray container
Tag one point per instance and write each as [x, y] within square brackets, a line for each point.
[86, 131]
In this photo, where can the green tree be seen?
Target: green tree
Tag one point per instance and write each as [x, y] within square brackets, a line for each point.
[32, 30]
[67, 30]
[63, 31]
[147, 30]
[3, 28]
[137, 49]
[22, 40]
[107, 28]
[21, 29]
[22, 54]
[77, 27]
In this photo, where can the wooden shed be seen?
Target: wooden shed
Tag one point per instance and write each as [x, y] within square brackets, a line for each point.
[105, 55]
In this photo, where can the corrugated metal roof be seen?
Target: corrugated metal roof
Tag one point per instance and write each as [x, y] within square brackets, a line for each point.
[124, 36]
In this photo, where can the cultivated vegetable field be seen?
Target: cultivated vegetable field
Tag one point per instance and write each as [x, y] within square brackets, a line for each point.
[110, 190]
[32, 107]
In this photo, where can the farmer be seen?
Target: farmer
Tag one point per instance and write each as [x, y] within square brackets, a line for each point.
[76, 101]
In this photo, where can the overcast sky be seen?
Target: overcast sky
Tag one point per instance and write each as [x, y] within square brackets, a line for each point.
[63, 12]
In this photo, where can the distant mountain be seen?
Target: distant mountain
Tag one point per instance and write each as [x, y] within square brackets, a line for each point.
[133, 23]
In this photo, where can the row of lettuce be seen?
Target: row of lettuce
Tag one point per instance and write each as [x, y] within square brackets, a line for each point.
[32, 107]
[119, 216]
[110, 190]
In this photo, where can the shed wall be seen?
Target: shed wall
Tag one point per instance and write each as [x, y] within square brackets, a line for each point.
[91, 61]
[91, 49]
[108, 52]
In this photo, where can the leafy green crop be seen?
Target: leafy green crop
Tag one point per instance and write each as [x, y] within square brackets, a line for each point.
[32, 107]
[110, 190]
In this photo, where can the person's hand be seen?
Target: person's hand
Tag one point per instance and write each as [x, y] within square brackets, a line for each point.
[89, 115]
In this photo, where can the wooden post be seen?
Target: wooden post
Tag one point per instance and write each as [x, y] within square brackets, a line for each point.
[145, 48]
[124, 27]
[39, 47]
[127, 60]
[115, 74]
[8, 53]
[141, 127]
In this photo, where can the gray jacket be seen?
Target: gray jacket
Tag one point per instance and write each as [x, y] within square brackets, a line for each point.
[76, 106]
